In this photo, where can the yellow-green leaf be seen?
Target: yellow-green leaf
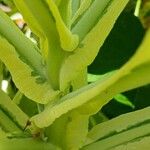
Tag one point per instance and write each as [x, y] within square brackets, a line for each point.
[89, 99]
[68, 40]
[89, 46]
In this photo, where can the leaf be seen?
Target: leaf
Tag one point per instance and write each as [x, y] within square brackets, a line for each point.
[89, 47]
[15, 113]
[124, 100]
[69, 131]
[7, 124]
[28, 51]
[123, 130]
[39, 25]
[47, 32]
[23, 76]
[76, 130]
[26, 143]
[28, 106]
[66, 11]
[92, 97]
[142, 143]
[87, 21]
[83, 7]
[17, 98]
[26, 60]
[75, 6]
[68, 40]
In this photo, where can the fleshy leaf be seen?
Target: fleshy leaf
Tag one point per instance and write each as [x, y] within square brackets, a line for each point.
[68, 40]
[124, 100]
[123, 130]
[26, 143]
[66, 11]
[7, 124]
[45, 29]
[89, 46]
[27, 60]
[13, 110]
[92, 97]
[38, 24]
[90, 18]
[75, 6]
[34, 87]
[83, 7]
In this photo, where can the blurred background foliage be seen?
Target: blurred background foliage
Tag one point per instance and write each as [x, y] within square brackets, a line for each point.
[119, 46]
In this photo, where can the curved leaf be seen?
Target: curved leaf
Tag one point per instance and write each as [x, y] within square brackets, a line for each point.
[142, 143]
[75, 6]
[125, 129]
[26, 49]
[13, 110]
[87, 51]
[33, 12]
[92, 97]
[45, 29]
[66, 11]
[83, 7]
[25, 78]
[26, 143]
[68, 40]
[118, 125]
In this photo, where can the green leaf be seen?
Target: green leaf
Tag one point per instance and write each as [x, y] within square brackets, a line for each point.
[17, 98]
[142, 143]
[77, 130]
[66, 11]
[7, 105]
[25, 144]
[123, 130]
[39, 90]
[47, 32]
[123, 100]
[68, 40]
[97, 9]
[24, 47]
[92, 97]
[28, 106]
[75, 6]
[89, 46]
[7, 124]
[83, 7]
[69, 131]
[27, 60]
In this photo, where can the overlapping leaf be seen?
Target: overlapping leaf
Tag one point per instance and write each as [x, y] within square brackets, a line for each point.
[30, 76]
[68, 40]
[88, 50]
[43, 25]
[124, 130]
[92, 97]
